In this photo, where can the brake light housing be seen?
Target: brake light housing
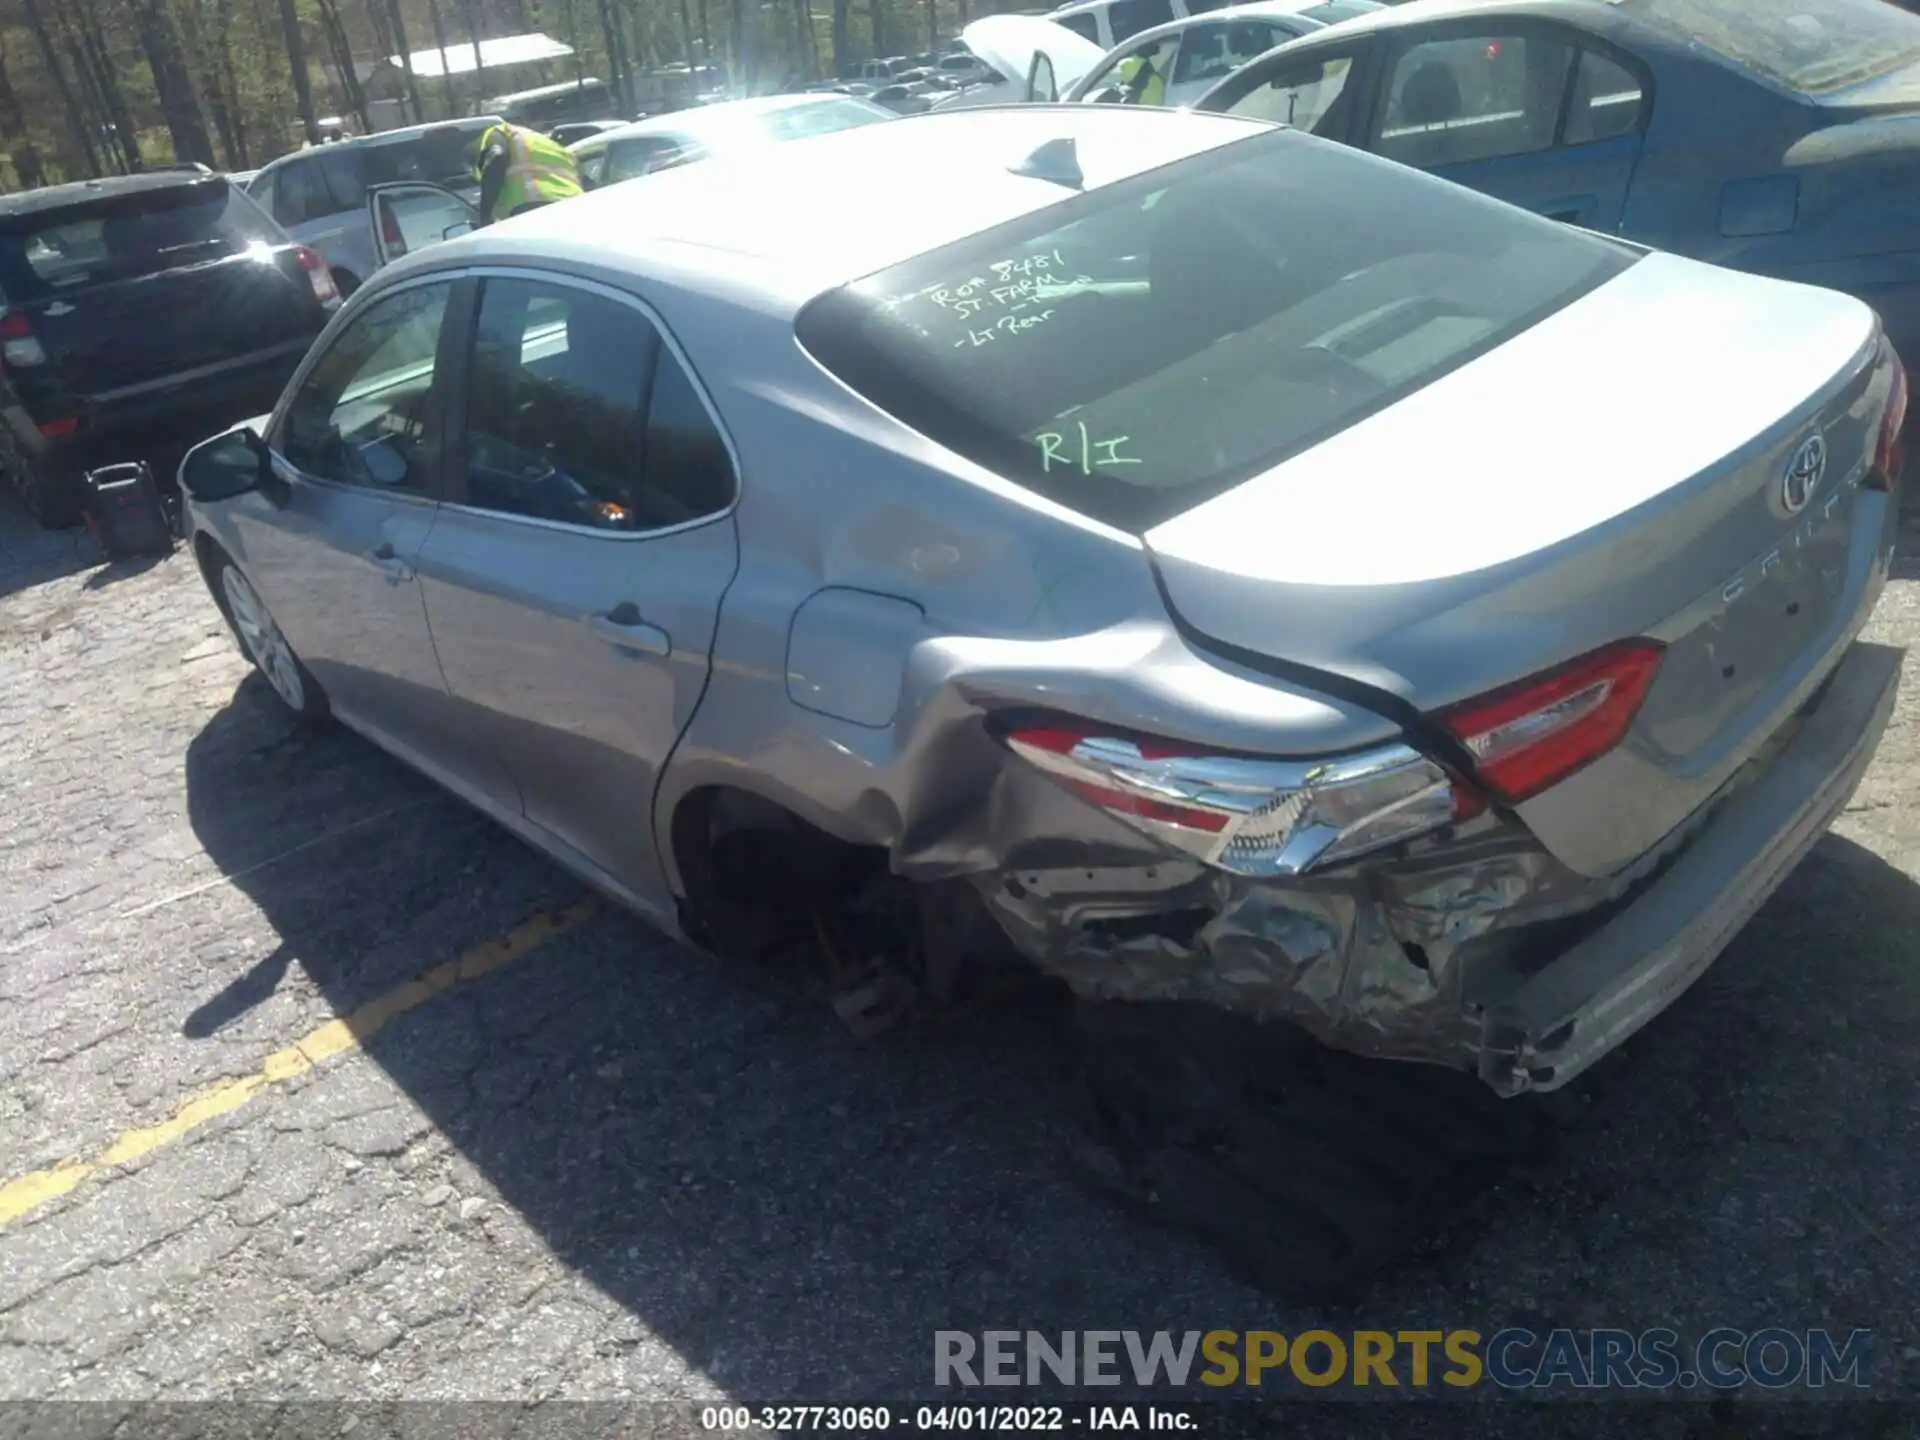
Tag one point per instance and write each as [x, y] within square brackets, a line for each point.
[1890, 449]
[1251, 815]
[318, 275]
[20, 348]
[1527, 737]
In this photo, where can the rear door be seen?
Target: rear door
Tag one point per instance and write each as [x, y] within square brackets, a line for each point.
[142, 288]
[573, 581]
[1536, 115]
[412, 216]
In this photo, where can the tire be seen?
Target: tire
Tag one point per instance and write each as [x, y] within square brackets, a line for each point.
[266, 648]
[51, 497]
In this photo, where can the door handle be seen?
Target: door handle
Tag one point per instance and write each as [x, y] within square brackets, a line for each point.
[389, 563]
[622, 628]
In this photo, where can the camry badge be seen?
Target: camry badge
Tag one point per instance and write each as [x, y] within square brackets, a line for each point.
[1805, 471]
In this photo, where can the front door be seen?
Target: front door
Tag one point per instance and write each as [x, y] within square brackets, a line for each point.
[413, 215]
[1530, 115]
[573, 581]
[360, 445]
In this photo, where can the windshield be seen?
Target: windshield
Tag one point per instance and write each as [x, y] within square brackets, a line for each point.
[1807, 46]
[1141, 348]
[127, 237]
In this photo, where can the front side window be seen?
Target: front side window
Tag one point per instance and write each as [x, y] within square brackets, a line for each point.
[577, 413]
[367, 413]
[1138, 349]
[1477, 97]
[1138, 75]
[1303, 94]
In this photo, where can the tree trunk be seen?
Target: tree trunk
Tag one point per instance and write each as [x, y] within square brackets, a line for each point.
[26, 159]
[933, 25]
[76, 122]
[209, 81]
[706, 40]
[439, 28]
[336, 33]
[841, 60]
[230, 81]
[403, 48]
[610, 36]
[739, 64]
[93, 43]
[297, 62]
[879, 28]
[479, 61]
[171, 86]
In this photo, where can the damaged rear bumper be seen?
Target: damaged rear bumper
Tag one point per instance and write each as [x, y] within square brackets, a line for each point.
[1480, 952]
[1584, 1004]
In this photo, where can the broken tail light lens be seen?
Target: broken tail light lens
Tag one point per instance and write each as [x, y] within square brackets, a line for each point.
[1532, 735]
[19, 346]
[1251, 815]
[1890, 453]
[318, 275]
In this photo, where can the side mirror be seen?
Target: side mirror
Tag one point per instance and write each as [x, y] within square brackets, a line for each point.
[230, 465]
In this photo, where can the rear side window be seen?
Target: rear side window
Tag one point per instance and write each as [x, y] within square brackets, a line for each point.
[301, 194]
[1607, 100]
[1479, 97]
[1130, 17]
[577, 413]
[125, 237]
[1136, 350]
[1083, 25]
[346, 180]
[1810, 46]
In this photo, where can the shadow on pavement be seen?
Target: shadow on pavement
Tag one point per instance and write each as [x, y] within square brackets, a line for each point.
[30, 555]
[795, 1213]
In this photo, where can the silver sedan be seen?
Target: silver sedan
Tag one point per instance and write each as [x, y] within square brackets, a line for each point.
[1197, 561]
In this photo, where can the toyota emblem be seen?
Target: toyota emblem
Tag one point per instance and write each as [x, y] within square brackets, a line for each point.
[1805, 471]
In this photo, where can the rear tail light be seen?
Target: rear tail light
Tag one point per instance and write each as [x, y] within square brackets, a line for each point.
[60, 429]
[1890, 452]
[1252, 816]
[1529, 736]
[20, 348]
[324, 290]
[390, 230]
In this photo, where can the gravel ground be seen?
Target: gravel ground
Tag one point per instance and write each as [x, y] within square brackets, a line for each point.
[612, 1170]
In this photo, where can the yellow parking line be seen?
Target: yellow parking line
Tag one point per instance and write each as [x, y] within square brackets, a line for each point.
[349, 1032]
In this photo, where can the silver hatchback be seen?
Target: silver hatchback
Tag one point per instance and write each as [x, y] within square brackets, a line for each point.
[1195, 560]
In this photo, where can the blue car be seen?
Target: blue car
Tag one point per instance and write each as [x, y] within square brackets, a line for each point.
[1775, 136]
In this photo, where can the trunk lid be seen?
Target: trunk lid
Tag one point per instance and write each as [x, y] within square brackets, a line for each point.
[142, 287]
[1616, 470]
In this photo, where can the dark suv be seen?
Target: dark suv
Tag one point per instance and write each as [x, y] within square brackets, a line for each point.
[137, 309]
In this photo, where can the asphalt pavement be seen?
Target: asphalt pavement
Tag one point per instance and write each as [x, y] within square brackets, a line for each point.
[314, 1084]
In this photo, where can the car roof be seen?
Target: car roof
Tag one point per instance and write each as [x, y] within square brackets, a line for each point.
[80, 192]
[703, 120]
[1416, 12]
[780, 225]
[1256, 10]
[385, 137]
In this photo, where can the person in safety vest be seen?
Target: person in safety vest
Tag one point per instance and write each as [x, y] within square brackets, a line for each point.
[521, 169]
[1141, 83]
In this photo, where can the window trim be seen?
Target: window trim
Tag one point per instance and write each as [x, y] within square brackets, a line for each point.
[454, 482]
[1494, 27]
[453, 326]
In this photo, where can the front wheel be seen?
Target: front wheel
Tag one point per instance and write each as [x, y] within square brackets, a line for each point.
[261, 638]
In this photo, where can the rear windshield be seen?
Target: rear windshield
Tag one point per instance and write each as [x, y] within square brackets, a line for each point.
[1809, 46]
[1138, 349]
[126, 237]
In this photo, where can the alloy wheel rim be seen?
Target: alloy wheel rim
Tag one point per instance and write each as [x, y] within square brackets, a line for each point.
[263, 640]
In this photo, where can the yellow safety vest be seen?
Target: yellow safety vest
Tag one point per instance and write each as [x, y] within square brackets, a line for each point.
[1154, 92]
[538, 169]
